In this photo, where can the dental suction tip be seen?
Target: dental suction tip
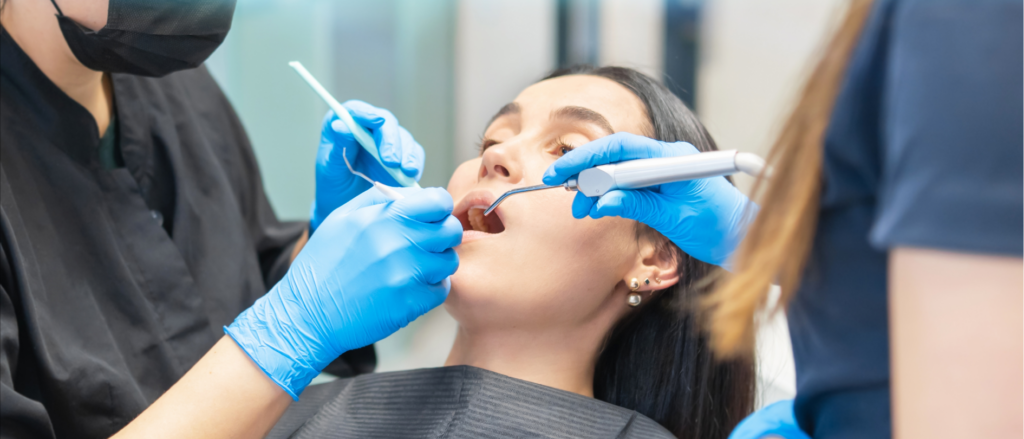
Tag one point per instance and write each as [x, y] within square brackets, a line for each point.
[493, 206]
[505, 195]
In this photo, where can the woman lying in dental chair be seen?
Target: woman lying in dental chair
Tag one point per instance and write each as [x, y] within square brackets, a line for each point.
[567, 328]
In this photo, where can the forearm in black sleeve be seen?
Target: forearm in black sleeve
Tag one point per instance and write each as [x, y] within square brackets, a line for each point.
[20, 415]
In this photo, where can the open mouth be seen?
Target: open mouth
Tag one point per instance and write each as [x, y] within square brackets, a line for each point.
[470, 213]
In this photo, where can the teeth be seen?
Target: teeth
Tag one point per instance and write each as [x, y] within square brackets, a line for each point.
[476, 220]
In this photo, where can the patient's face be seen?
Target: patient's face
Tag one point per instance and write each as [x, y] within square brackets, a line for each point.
[530, 262]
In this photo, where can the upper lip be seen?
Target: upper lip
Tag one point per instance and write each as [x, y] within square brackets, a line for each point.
[479, 198]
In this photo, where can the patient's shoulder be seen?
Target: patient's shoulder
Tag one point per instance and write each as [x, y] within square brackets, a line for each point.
[310, 402]
[644, 427]
[455, 402]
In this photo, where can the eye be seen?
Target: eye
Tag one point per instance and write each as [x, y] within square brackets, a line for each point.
[486, 143]
[563, 147]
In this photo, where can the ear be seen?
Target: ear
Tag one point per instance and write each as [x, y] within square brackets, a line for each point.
[655, 268]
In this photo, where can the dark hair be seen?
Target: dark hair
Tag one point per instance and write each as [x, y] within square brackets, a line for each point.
[657, 360]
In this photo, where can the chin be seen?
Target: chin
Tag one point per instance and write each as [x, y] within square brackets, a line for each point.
[466, 290]
[476, 299]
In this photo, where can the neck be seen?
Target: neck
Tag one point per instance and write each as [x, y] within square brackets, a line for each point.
[563, 359]
[33, 26]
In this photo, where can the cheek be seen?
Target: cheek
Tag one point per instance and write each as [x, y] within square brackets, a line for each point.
[548, 269]
[464, 178]
[586, 257]
[552, 230]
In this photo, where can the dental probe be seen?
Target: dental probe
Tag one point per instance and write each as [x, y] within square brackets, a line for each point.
[363, 137]
[635, 174]
[388, 191]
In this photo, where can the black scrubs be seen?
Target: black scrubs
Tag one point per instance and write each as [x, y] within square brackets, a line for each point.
[115, 280]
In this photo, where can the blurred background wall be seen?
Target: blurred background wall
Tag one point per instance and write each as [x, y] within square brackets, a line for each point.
[443, 67]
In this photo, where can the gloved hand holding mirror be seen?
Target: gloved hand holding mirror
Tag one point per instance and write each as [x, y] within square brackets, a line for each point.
[335, 184]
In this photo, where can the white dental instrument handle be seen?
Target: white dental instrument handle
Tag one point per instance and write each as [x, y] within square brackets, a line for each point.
[388, 191]
[362, 137]
[635, 174]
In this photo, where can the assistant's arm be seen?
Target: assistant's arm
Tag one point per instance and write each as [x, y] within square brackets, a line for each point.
[950, 215]
[956, 342]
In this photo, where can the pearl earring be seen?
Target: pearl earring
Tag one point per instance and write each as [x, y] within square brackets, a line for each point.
[634, 298]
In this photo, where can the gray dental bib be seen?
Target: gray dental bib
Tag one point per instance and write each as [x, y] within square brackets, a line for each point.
[455, 402]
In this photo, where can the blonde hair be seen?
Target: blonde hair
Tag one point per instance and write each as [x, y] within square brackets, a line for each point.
[779, 240]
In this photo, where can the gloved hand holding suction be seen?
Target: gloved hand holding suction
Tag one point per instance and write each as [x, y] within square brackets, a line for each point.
[371, 268]
[704, 217]
[335, 185]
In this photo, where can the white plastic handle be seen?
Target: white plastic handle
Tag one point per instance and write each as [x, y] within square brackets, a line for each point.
[388, 191]
[636, 174]
[363, 137]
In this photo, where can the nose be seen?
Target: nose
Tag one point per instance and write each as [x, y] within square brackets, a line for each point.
[502, 162]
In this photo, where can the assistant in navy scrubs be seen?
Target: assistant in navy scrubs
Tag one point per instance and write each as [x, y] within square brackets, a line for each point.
[924, 149]
[921, 168]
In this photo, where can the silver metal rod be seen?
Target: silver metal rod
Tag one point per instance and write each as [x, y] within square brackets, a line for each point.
[519, 191]
[352, 170]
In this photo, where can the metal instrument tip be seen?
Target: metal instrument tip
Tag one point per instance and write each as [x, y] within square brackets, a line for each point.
[495, 204]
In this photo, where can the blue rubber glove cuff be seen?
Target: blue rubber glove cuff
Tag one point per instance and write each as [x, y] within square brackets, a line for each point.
[374, 266]
[777, 419]
[254, 338]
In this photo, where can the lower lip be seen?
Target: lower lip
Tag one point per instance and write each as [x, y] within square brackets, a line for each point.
[473, 235]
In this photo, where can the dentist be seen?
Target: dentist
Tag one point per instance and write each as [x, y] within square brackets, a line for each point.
[134, 228]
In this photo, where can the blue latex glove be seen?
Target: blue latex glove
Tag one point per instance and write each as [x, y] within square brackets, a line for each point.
[335, 185]
[776, 420]
[705, 218]
[373, 267]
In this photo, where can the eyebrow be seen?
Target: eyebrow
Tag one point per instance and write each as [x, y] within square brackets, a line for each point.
[509, 108]
[571, 112]
[582, 114]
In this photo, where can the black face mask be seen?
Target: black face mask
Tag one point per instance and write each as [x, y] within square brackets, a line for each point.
[150, 37]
